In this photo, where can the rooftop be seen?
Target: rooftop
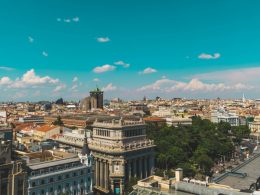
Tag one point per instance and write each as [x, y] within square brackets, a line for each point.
[52, 163]
[45, 128]
[250, 167]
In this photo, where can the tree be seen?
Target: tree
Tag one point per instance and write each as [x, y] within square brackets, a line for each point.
[224, 127]
[58, 121]
[240, 132]
[194, 148]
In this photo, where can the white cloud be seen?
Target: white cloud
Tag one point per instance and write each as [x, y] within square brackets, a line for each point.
[29, 79]
[148, 71]
[59, 88]
[45, 54]
[103, 39]
[74, 88]
[68, 20]
[30, 39]
[75, 79]
[168, 86]
[104, 68]
[6, 68]
[248, 75]
[96, 80]
[209, 56]
[76, 19]
[121, 63]
[109, 87]
[5, 81]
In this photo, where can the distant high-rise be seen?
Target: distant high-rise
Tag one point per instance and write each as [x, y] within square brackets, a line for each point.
[96, 99]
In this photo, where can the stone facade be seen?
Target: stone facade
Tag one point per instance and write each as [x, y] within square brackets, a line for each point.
[71, 175]
[13, 177]
[120, 151]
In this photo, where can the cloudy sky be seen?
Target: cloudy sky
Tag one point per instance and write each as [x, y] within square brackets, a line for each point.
[131, 48]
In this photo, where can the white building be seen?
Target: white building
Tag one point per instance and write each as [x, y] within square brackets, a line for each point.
[164, 112]
[72, 175]
[255, 126]
[221, 115]
[175, 121]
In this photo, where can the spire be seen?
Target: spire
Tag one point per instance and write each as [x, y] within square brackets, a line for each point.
[243, 99]
[85, 150]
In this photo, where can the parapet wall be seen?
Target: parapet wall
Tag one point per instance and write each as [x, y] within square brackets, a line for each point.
[202, 190]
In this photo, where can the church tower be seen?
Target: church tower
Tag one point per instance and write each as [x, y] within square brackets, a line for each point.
[86, 156]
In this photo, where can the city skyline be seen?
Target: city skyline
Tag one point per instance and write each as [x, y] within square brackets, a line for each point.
[130, 49]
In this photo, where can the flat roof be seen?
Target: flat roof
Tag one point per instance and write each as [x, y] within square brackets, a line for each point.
[253, 173]
[52, 163]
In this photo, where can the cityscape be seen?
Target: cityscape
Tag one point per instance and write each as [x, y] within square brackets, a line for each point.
[129, 97]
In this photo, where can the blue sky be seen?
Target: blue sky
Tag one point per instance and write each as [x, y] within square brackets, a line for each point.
[130, 48]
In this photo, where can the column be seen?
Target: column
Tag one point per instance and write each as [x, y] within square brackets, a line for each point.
[98, 183]
[121, 186]
[135, 171]
[140, 168]
[145, 167]
[106, 175]
[152, 164]
[148, 166]
[102, 174]
[112, 186]
[96, 171]
[129, 169]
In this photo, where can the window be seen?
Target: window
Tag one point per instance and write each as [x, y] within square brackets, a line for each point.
[81, 181]
[33, 193]
[42, 192]
[59, 177]
[51, 189]
[88, 170]
[81, 172]
[51, 180]
[74, 174]
[67, 176]
[75, 183]
[42, 182]
[33, 184]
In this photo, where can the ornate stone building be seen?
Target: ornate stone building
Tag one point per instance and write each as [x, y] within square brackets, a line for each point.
[13, 176]
[121, 151]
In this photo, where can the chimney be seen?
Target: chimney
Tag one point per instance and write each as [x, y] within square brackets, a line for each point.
[179, 174]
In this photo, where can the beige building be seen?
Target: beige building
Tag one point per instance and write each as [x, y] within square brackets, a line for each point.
[120, 151]
[13, 177]
[45, 132]
[255, 126]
